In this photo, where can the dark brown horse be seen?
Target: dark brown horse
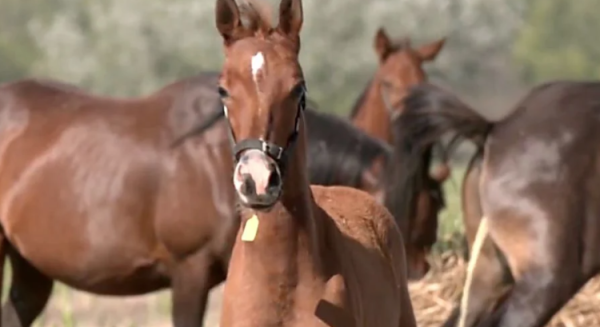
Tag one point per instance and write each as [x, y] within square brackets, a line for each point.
[539, 197]
[305, 256]
[340, 154]
[95, 195]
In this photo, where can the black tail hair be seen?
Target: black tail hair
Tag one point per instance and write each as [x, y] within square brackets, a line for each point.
[430, 112]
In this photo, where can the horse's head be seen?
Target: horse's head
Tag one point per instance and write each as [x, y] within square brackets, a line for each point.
[263, 92]
[400, 67]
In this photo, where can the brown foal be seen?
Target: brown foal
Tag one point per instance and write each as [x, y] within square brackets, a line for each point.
[304, 256]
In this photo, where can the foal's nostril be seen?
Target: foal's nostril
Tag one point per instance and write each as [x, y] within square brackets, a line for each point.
[248, 185]
[274, 180]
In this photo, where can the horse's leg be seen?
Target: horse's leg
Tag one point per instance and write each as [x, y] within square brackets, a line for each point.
[539, 292]
[487, 273]
[543, 249]
[29, 293]
[486, 281]
[471, 201]
[193, 279]
[535, 299]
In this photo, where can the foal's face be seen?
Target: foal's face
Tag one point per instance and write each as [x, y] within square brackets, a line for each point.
[400, 67]
[262, 89]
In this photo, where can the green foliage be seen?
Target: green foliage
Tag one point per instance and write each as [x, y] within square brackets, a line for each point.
[560, 40]
[18, 49]
[132, 47]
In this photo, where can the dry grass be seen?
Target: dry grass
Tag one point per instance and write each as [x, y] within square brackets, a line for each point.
[434, 297]
[70, 308]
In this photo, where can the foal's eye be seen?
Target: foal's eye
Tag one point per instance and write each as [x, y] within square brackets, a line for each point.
[223, 92]
[302, 101]
[300, 92]
[387, 84]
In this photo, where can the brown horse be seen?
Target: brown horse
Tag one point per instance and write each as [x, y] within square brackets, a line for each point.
[538, 194]
[134, 213]
[400, 67]
[93, 195]
[305, 256]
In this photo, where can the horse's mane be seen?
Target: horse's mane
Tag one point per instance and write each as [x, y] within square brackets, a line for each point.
[361, 100]
[338, 152]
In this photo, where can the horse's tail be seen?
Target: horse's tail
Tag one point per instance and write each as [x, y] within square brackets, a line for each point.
[430, 112]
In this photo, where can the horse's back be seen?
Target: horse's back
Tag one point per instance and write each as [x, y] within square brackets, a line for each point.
[370, 249]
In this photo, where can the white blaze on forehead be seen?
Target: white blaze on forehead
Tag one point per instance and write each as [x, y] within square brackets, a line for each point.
[258, 62]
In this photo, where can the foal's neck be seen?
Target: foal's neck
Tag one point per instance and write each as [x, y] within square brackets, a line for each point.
[282, 268]
[292, 232]
[373, 116]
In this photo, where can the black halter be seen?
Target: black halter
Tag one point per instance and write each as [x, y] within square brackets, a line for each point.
[279, 154]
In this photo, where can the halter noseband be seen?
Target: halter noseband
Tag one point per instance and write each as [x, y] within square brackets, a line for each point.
[279, 154]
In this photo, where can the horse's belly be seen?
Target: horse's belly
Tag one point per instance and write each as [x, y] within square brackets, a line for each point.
[105, 257]
[109, 270]
[86, 229]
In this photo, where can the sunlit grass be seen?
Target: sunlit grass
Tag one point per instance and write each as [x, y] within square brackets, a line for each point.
[450, 227]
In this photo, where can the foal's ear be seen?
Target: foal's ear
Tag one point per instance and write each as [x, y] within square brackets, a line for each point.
[228, 20]
[430, 51]
[383, 44]
[290, 18]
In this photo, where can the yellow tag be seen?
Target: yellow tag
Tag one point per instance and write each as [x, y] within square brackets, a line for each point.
[250, 229]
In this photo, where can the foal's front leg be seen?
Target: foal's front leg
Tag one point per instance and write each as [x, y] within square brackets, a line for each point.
[193, 279]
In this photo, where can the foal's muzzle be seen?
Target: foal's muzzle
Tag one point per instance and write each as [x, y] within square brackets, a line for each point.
[257, 179]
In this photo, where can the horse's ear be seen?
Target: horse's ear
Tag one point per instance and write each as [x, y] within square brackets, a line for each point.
[430, 51]
[290, 18]
[383, 44]
[228, 20]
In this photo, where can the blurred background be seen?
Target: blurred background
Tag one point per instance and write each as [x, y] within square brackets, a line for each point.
[496, 50]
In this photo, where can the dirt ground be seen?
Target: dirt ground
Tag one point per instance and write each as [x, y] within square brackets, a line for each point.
[69, 308]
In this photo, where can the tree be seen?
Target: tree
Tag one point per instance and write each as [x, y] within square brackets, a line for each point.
[129, 47]
[560, 41]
